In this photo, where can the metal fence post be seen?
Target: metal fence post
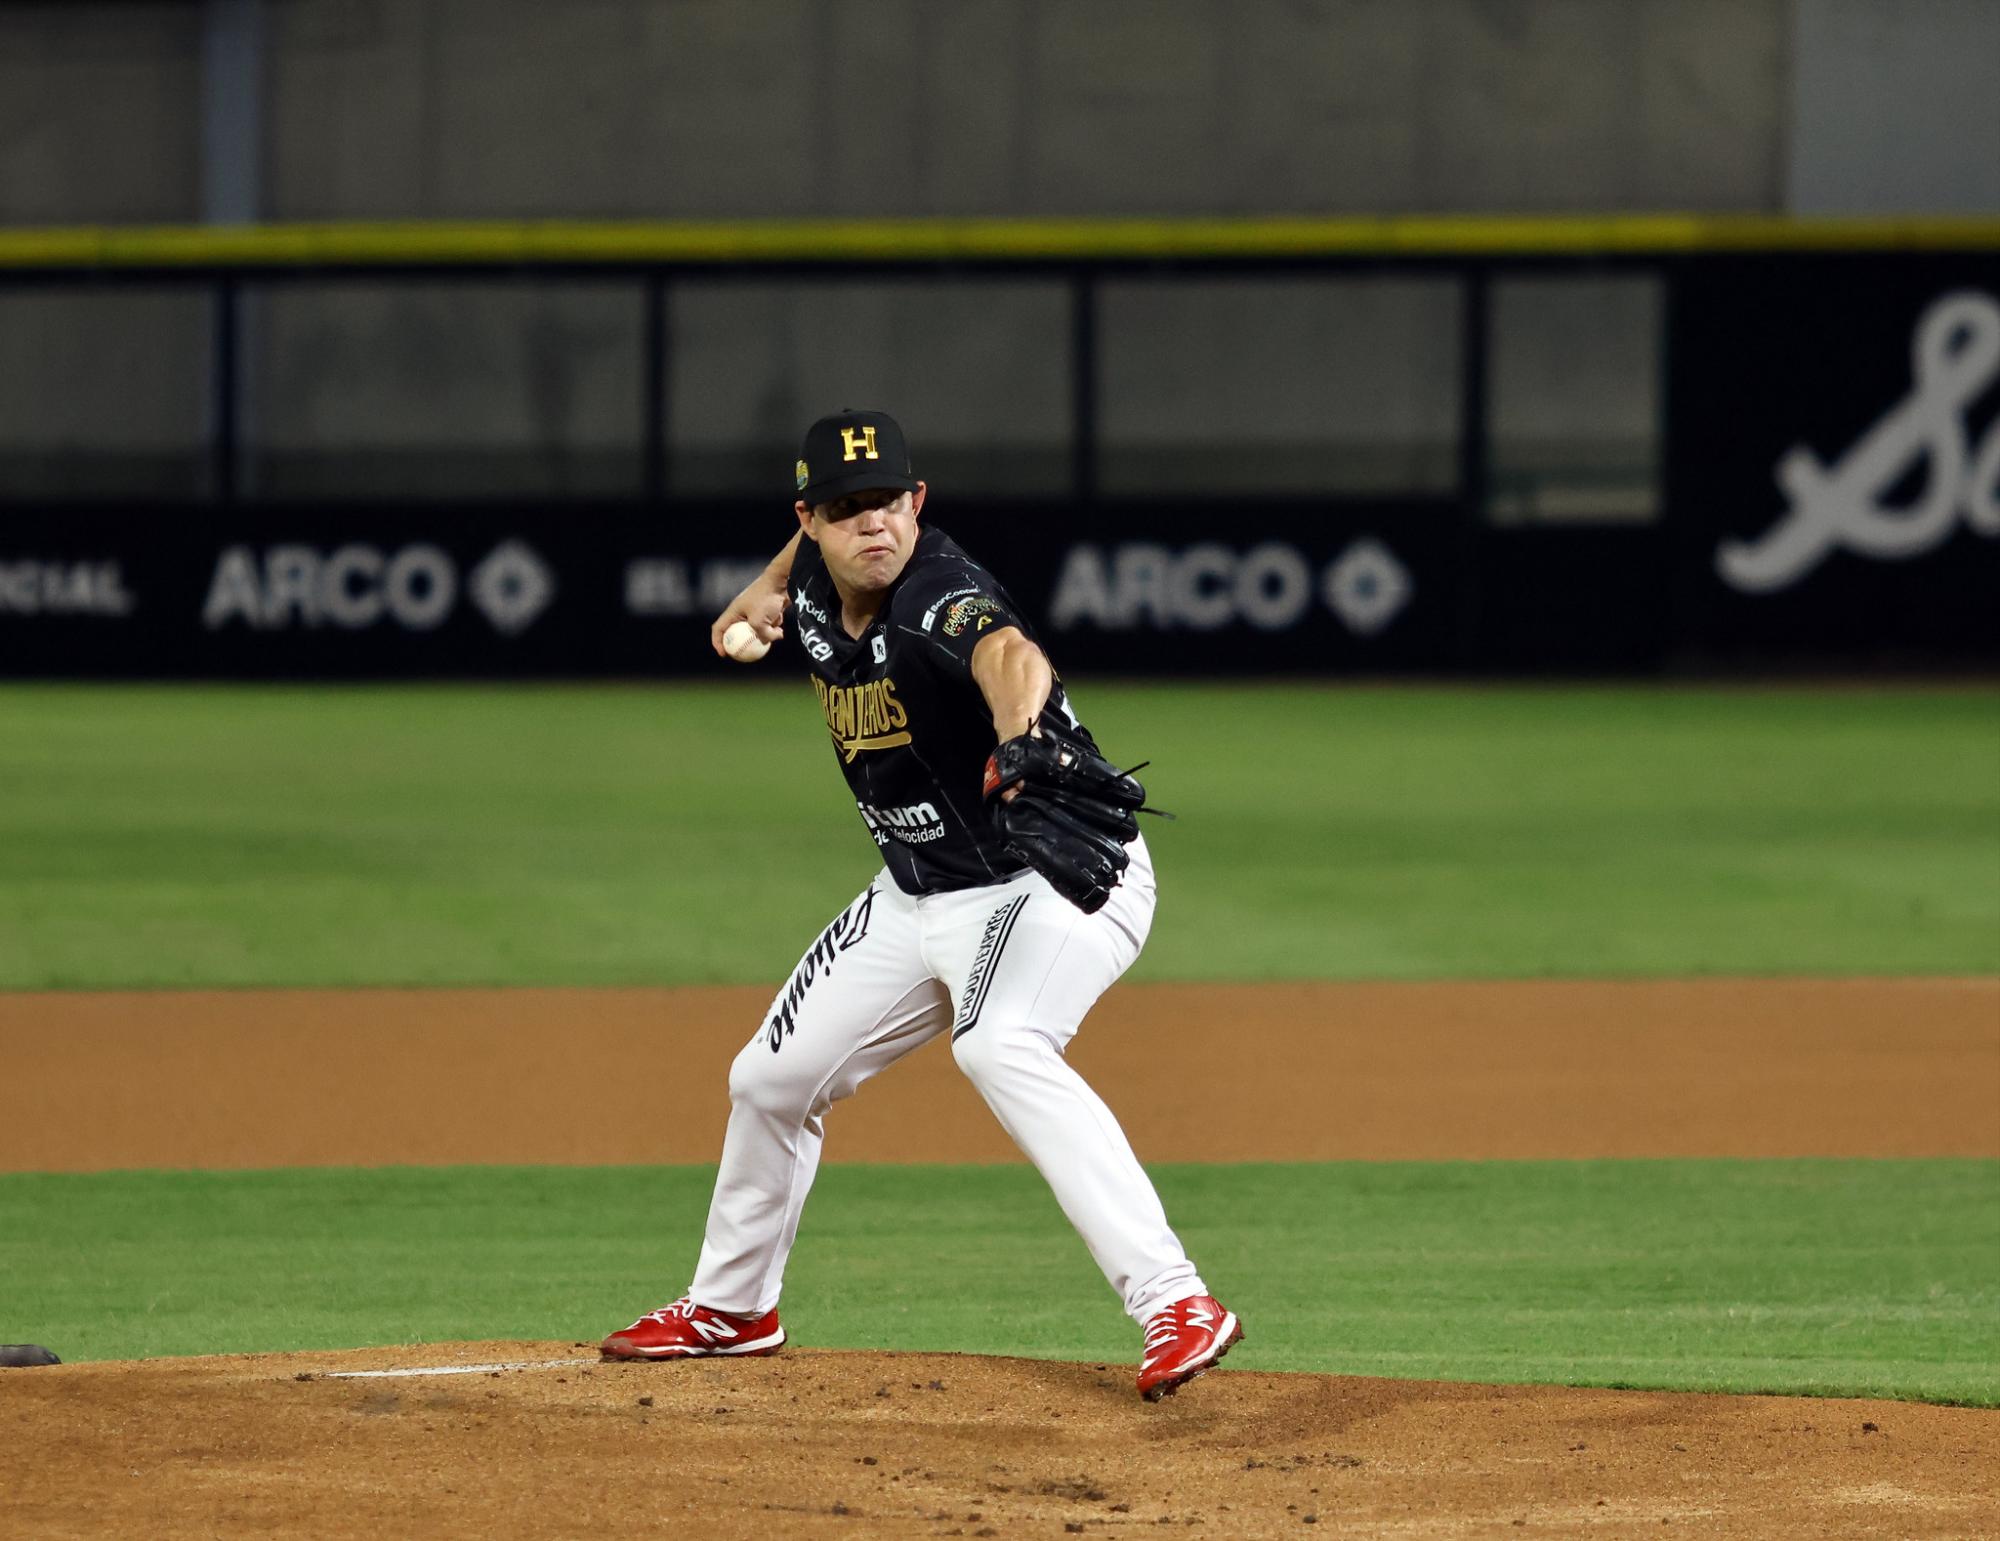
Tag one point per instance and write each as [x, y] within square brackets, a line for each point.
[653, 430]
[1083, 385]
[224, 392]
[1475, 452]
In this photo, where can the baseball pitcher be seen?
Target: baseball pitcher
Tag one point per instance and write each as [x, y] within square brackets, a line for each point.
[1015, 888]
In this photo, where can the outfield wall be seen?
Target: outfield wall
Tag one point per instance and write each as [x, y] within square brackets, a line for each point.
[1280, 446]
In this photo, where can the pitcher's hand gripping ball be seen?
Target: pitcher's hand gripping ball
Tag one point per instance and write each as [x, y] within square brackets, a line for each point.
[1072, 817]
[742, 643]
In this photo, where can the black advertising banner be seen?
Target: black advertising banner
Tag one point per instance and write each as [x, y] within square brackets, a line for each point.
[264, 594]
[566, 591]
[1834, 456]
[1208, 587]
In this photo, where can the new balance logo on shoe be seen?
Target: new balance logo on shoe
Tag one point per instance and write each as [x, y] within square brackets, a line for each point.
[685, 1330]
[1182, 1341]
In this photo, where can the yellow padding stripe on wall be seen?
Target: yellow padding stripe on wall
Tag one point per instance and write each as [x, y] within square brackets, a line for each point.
[500, 242]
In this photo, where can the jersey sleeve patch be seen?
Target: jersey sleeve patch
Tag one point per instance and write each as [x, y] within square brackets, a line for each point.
[962, 621]
[975, 613]
[953, 604]
[930, 618]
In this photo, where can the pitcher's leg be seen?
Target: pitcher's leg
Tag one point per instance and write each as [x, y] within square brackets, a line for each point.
[858, 1001]
[1025, 968]
[1076, 1143]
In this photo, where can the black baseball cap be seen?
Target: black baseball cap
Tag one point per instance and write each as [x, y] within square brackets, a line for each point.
[852, 451]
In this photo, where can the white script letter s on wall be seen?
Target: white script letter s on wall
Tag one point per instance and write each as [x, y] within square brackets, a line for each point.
[1955, 356]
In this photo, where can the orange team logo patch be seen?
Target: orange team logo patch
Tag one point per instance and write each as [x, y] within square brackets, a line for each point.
[980, 607]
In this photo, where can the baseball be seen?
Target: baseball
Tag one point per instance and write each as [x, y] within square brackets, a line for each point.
[742, 643]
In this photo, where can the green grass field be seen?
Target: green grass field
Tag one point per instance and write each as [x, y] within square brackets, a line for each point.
[240, 836]
[1830, 1277]
[349, 836]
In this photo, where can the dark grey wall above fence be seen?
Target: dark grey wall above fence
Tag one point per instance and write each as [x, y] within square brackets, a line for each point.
[699, 109]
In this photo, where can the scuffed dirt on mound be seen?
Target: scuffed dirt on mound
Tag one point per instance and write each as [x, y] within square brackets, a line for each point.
[864, 1444]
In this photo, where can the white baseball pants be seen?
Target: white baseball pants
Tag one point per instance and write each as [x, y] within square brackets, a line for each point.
[1009, 970]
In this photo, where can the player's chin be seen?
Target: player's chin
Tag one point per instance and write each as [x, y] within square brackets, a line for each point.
[877, 570]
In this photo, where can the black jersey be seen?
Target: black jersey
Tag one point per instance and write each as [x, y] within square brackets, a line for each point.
[909, 725]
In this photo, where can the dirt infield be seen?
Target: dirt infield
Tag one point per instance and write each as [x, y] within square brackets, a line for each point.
[862, 1445]
[1301, 1072]
[543, 1441]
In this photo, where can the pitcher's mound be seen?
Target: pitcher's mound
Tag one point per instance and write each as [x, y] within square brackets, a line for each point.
[532, 1439]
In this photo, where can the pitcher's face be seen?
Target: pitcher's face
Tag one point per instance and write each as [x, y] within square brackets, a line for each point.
[865, 538]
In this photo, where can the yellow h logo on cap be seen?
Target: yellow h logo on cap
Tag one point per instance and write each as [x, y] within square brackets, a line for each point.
[859, 445]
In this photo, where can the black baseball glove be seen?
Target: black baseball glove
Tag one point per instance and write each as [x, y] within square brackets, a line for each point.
[1073, 817]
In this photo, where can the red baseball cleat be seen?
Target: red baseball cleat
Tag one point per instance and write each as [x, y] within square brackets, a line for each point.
[1182, 1341]
[685, 1330]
